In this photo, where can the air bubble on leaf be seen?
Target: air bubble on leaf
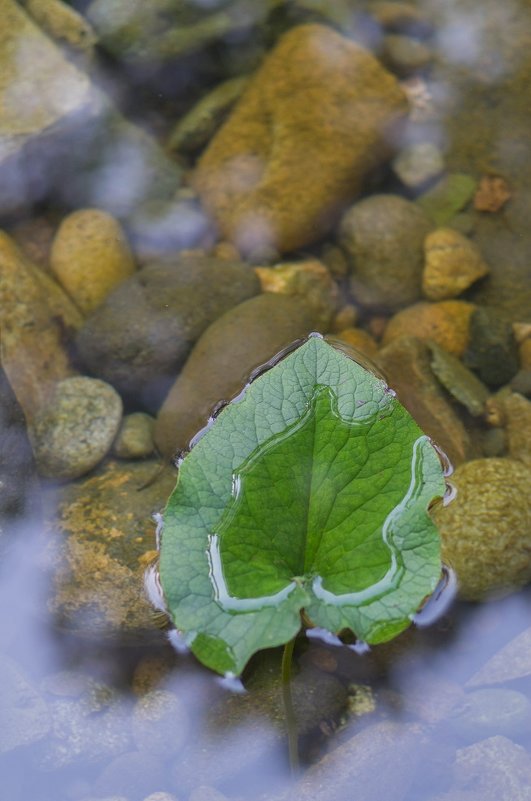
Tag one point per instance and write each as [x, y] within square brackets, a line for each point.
[178, 641]
[231, 682]
[360, 647]
[324, 636]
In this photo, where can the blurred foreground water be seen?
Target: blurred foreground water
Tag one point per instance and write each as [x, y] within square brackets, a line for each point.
[186, 188]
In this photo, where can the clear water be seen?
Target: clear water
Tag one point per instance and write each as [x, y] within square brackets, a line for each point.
[373, 723]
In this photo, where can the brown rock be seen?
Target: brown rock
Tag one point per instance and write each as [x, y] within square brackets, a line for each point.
[346, 317]
[382, 759]
[220, 363]
[90, 256]
[521, 331]
[513, 661]
[447, 323]
[492, 193]
[517, 414]
[152, 673]
[376, 326]
[61, 307]
[34, 237]
[38, 98]
[496, 768]
[225, 251]
[383, 237]
[63, 23]
[313, 122]
[452, 264]
[335, 260]
[429, 697]
[194, 130]
[458, 380]
[359, 340]
[406, 365]
[135, 437]
[405, 55]
[524, 354]
[399, 16]
[309, 280]
[141, 335]
[73, 432]
[99, 530]
[486, 530]
[32, 352]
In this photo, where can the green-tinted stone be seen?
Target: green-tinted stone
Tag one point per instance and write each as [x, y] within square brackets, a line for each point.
[448, 197]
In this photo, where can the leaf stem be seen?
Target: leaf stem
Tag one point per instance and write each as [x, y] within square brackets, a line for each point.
[291, 723]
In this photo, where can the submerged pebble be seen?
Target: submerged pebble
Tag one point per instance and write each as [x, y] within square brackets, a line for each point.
[63, 23]
[160, 723]
[458, 380]
[493, 442]
[382, 237]
[133, 775]
[486, 530]
[524, 354]
[17, 467]
[521, 382]
[222, 360]
[496, 769]
[448, 197]
[139, 352]
[382, 759]
[90, 257]
[24, 713]
[135, 437]
[512, 661]
[244, 730]
[517, 414]
[492, 351]
[403, 17]
[206, 793]
[484, 713]
[40, 123]
[404, 54]
[418, 163]
[406, 366]
[76, 429]
[101, 538]
[446, 323]
[359, 340]
[453, 263]
[86, 730]
[310, 280]
[197, 127]
[34, 357]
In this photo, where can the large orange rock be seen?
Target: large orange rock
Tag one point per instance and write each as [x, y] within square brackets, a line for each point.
[317, 117]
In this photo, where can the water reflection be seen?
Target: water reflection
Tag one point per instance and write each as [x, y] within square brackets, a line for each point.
[85, 717]
[86, 721]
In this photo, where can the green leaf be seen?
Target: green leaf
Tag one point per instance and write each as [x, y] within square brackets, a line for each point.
[308, 491]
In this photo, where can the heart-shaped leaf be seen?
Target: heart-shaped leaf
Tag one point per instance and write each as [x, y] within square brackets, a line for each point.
[308, 491]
